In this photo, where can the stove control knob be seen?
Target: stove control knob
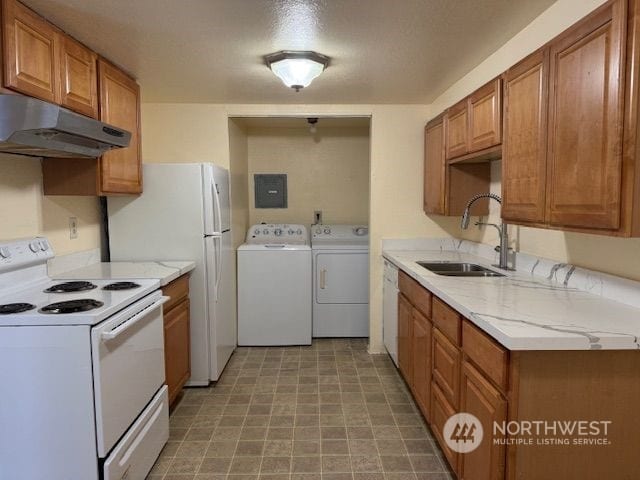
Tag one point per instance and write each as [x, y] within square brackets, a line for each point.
[265, 231]
[34, 247]
[44, 246]
[318, 231]
[299, 232]
[290, 231]
[277, 232]
[256, 232]
[5, 252]
[327, 230]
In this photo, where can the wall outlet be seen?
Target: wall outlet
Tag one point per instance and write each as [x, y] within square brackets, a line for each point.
[317, 217]
[73, 227]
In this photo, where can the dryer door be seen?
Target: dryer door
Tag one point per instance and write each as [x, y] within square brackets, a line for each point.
[342, 277]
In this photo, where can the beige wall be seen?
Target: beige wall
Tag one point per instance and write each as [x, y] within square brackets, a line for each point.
[239, 166]
[328, 171]
[26, 212]
[612, 255]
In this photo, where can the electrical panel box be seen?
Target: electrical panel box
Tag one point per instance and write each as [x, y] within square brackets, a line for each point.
[270, 190]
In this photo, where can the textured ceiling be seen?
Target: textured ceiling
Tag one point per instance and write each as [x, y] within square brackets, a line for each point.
[383, 51]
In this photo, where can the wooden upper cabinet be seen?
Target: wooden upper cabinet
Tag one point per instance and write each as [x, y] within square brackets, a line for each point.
[448, 188]
[30, 53]
[485, 116]
[524, 145]
[434, 167]
[586, 106]
[456, 123]
[121, 170]
[78, 77]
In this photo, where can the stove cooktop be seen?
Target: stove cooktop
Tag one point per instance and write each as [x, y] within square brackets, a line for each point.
[86, 302]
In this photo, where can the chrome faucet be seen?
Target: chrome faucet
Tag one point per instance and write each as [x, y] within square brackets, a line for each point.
[502, 229]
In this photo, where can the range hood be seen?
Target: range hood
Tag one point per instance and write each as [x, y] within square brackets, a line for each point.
[29, 126]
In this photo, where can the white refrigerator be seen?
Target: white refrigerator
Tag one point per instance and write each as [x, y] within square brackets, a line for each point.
[184, 214]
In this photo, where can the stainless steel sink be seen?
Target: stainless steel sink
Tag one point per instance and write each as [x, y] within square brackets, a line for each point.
[454, 269]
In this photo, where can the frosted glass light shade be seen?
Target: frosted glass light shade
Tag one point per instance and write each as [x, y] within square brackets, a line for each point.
[297, 69]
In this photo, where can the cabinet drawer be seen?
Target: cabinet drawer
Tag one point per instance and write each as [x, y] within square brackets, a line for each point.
[416, 293]
[446, 367]
[441, 410]
[486, 354]
[177, 290]
[447, 320]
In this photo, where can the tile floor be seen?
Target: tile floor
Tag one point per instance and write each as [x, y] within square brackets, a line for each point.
[329, 411]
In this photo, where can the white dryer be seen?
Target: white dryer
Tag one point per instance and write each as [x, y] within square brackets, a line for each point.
[274, 286]
[340, 280]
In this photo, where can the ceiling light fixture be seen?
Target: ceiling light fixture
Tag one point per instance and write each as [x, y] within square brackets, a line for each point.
[296, 69]
[312, 121]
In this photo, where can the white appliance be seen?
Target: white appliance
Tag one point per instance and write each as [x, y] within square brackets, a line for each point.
[274, 286]
[184, 213]
[82, 369]
[390, 310]
[340, 280]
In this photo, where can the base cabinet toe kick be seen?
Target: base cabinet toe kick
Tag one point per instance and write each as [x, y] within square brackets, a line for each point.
[505, 415]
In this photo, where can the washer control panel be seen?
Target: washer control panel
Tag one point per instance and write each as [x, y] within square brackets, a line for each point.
[278, 233]
[340, 232]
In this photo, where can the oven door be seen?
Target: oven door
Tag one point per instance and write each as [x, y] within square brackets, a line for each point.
[128, 367]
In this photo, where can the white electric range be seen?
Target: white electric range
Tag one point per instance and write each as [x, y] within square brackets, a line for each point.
[82, 370]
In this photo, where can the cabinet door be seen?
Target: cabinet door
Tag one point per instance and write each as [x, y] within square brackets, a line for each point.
[421, 351]
[524, 146]
[405, 325]
[120, 170]
[78, 78]
[456, 123]
[446, 367]
[30, 53]
[585, 122]
[485, 116]
[177, 357]
[441, 410]
[434, 168]
[480, 398]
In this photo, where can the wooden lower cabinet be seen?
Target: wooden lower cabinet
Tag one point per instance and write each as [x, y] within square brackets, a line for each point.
[177, 358]
[177, 343]
[479, 376]
[481, 399]
[446, 366]
[421, 361]
[405, 324]
[441, 410]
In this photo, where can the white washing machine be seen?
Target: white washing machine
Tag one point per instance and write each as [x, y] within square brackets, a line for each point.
[340, 280]
[274, 286]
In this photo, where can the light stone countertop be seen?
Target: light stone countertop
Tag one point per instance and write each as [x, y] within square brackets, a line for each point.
[166, 272]
[524, 312]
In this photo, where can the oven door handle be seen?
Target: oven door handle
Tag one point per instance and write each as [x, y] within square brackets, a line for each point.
[111, 334]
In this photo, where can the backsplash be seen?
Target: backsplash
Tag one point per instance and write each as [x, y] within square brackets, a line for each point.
[63, 263]
[602, 284]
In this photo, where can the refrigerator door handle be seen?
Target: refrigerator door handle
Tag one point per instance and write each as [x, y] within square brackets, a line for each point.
[218, 255]
[217, 219]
